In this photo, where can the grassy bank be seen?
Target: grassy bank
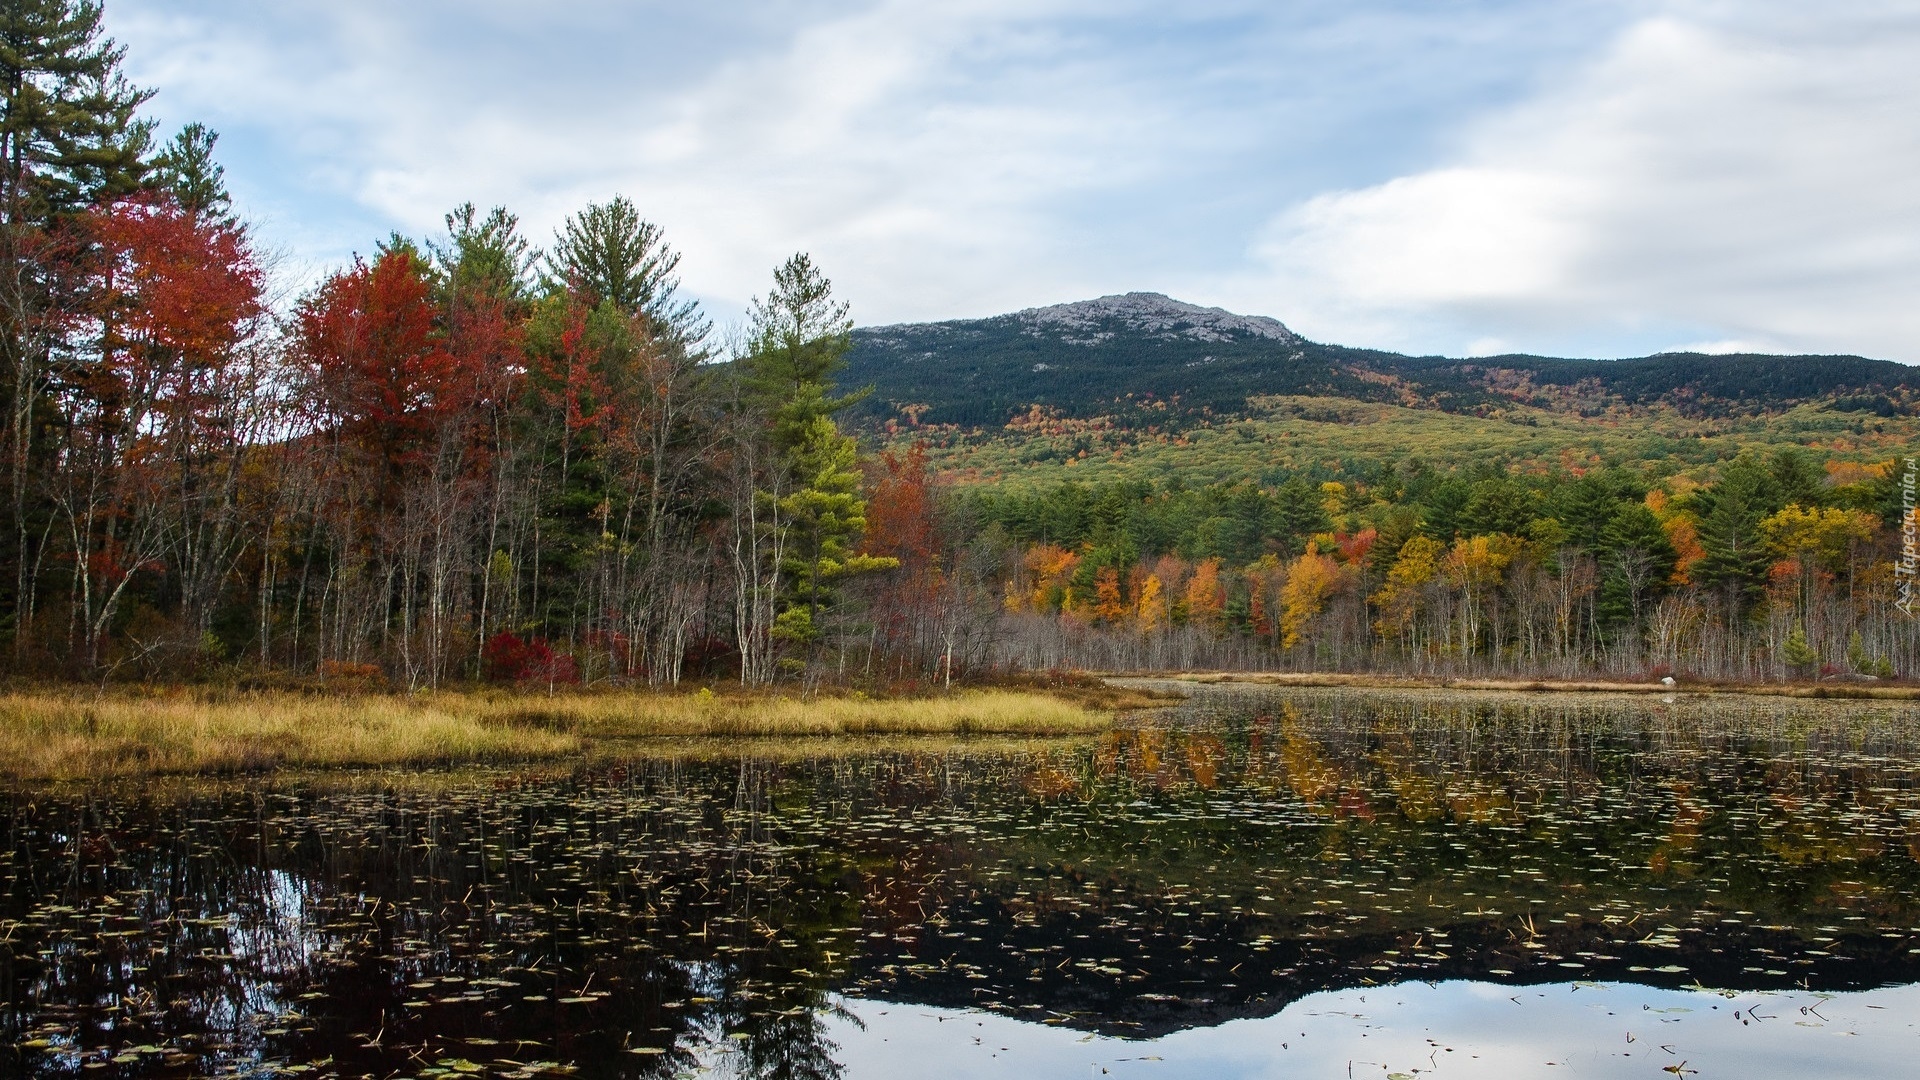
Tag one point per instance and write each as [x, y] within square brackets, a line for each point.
[65, 735]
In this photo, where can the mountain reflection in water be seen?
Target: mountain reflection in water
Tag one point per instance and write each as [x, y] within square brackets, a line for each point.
[1155, 899]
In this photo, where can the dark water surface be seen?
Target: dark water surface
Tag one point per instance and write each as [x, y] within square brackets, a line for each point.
[1262, 884]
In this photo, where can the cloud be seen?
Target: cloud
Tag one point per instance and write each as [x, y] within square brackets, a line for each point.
[940, 159]
[1738, 173]
[885, 137]
[1596, 177]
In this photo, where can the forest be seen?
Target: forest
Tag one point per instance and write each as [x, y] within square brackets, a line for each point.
[456, 459]
[463, 458]
[1777, 567]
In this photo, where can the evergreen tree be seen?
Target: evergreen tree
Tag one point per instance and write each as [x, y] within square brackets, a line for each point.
[1299, 513]
[1637, 560]
[828, 518]
[185, 169]
[801, 335]
[70, 135]
[1588, 505]
[1500, 505]
[609, 254]
[1441, 507]
[484, 258]
[1798, 653]
[1797, 480]
[1730, 513]
[69, 126]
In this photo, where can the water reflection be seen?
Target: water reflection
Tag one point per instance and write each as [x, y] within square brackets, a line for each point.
[780, 913]
[1419, 1029]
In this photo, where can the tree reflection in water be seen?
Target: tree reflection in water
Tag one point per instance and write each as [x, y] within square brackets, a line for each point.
[704, 908]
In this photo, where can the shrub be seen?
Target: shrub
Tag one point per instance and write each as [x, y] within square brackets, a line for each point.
[512, 659]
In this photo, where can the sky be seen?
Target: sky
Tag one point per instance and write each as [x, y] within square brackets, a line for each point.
[1463, 177]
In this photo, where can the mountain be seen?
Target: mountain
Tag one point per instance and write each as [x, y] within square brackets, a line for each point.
[1103, 356]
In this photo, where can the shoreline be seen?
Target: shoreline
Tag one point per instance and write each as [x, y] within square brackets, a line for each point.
[1852, 691]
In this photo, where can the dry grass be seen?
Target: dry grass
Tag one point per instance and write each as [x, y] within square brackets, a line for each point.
[1839, 690]
[55, 735]
[981, 712]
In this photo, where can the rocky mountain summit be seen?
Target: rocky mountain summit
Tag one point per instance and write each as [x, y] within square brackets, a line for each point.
[1150, 315]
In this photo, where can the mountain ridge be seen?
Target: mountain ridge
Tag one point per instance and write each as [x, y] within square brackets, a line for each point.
[1095, 357]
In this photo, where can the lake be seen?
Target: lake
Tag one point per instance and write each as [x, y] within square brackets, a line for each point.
[1256, 884]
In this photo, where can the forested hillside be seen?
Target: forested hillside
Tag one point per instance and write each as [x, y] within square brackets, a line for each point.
[1180, 487]
[1115, 354]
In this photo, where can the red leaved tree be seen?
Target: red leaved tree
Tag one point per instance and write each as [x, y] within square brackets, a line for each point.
[400, 389]
[159, 414]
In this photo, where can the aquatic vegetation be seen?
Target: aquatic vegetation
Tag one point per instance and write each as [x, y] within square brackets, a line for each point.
[710, 905]
[55, 735]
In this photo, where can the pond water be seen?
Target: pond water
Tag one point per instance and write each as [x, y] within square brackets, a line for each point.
[1256, 884]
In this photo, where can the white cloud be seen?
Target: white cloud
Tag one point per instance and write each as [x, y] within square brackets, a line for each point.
[1743, 173]
[912, 147]
[940, 159]
[1598, 177]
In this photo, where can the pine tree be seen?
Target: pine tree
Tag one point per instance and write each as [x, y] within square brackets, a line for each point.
[486, 258]
[1731, 511]
[185, 169]
[1799, 655]
[608, 254]
[1637, 560]
[70, 135]
[800, 338]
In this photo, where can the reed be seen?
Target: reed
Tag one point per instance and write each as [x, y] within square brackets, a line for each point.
[73, 735]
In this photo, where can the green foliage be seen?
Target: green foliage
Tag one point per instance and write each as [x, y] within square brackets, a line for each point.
[1499, 505]
[1730, 513]
[608, 254]
[485, 258]
[1797, 652]
[1637, 563]
[70, 119]
[1121, 523]
[185, 168]
[800, 337]
[828, 518]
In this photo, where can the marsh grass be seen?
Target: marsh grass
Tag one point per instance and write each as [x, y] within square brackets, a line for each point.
[53, 735]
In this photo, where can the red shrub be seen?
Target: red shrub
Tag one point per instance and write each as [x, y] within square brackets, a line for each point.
[510, 658]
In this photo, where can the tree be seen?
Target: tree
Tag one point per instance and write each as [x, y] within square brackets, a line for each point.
[608, 254]
[1399, 600]
[827, 517]
[70, 137]
[378, 369]
[1730, 512]
[1150, 612]
[1206, 597]
[1499, 505]
[484, 258]
[1474, 568]
[1311, 579]
[796, 540]
[800, 338]
[185, 169]
[157, 426]
[1799, 656]
[398, 396]
[1637, 562]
